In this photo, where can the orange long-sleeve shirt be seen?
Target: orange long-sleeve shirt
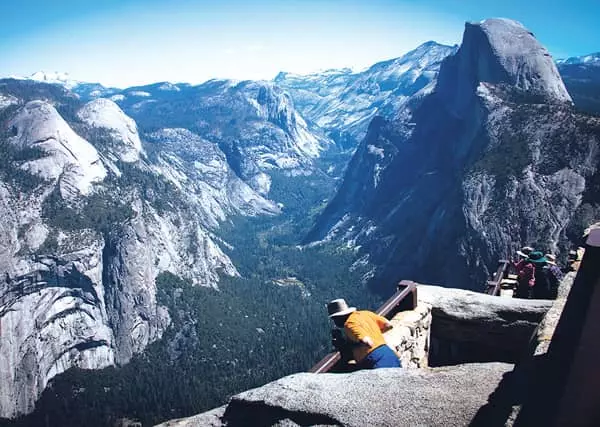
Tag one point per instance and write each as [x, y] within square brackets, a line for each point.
[362, 324]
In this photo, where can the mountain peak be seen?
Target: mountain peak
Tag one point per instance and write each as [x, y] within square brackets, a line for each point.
[499, 51]
[515, 57]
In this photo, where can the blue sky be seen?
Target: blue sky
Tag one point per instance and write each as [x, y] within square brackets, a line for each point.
[128, 42]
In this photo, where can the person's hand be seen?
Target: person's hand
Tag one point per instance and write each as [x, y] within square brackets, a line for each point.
[368, 341]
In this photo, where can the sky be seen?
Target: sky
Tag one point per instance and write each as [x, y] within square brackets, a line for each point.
[124, 43]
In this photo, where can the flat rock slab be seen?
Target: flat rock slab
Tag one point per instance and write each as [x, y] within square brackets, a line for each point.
[475, 306]
[498, 328]
[448, 396]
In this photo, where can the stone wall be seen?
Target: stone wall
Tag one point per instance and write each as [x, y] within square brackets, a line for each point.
[410, 336]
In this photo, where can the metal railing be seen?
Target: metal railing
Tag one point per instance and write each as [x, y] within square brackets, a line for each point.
[405, 298]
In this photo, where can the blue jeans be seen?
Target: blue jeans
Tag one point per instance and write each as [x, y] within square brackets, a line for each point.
[381, 357]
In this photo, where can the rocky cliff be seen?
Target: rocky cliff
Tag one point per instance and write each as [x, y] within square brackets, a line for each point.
[494, 158]
[92, 213]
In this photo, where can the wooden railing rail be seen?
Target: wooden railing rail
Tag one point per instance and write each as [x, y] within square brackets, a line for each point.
[493, 286]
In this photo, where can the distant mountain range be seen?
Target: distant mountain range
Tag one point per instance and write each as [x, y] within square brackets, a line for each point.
[591, 59]
[582, 78]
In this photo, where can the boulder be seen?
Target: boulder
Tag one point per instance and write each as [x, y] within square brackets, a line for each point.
[449, 396]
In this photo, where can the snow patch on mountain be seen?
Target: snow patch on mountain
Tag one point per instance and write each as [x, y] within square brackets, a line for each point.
[591, 59]
[166, 86]
[63, 79]
[139, 93]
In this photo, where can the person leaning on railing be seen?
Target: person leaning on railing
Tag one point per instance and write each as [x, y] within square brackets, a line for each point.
[364, 330]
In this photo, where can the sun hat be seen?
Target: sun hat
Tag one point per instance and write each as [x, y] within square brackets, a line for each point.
[525, 251]
[551, 258]
[537, 257]
[339, 307]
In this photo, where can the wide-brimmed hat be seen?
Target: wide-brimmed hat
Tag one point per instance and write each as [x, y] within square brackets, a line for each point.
[537, 257]
[525, 251]
[339, 307]
[551, 258]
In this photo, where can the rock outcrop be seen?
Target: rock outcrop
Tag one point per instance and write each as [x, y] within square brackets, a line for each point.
[499, 51]
[495, 158]
[68, 157]
[105, 114]
[448, 396]
[475, 327]
[452, 326]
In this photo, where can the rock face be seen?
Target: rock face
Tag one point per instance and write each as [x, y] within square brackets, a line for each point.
[104, 113]
[70, 158]
[51, 319]
[449, 396]
[343, 103]
[494, 158]
[500, 51]
[91, 215]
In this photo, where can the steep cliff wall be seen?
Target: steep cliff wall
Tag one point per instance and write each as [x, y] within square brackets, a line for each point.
[494, 158]
[89, 220]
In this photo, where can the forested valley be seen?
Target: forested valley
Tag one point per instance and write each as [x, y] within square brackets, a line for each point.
[268, 323]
